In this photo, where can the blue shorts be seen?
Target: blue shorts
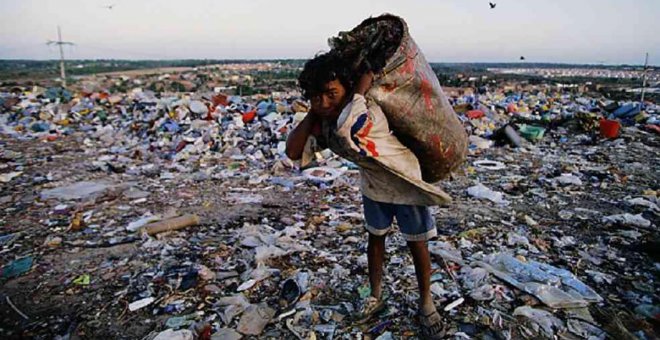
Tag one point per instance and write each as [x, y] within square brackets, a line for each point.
[415, 221]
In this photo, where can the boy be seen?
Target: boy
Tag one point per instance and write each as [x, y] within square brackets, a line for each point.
[341, 119]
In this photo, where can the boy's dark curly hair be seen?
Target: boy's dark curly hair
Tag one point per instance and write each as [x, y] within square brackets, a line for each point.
[324, 68]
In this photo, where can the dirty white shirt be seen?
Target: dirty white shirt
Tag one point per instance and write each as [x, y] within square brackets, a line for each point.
[389, 171]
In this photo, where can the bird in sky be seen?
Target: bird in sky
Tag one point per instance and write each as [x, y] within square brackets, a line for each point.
[109, 6]
[522, 57]
[492, 5]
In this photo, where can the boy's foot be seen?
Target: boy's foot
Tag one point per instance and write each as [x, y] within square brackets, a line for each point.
[432, 326]
[370, 307]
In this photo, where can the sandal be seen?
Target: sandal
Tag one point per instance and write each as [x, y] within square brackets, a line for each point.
[370, 307]
[432, 326]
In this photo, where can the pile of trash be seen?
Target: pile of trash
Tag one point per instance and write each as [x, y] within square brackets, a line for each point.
[505, 118]
[177, 215]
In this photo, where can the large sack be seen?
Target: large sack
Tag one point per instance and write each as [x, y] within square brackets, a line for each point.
[417, 110]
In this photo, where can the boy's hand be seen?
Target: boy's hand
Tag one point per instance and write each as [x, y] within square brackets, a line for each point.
[364, 83]
[295, 143]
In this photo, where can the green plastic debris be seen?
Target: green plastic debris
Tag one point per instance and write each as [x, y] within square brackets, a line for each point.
[177, 322]
[531, 132]
[364, 291]
[17, 268]
[103, 116]
[235, 166]
[82, 280]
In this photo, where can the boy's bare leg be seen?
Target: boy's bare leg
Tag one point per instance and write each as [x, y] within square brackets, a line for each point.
[376, 258]
[422, 261]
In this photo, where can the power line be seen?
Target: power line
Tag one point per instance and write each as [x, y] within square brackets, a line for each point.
[59, 42]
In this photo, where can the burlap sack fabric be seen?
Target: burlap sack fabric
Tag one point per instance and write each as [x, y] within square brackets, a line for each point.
[417, 109]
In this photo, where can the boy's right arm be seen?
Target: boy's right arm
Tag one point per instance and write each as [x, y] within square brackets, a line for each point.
[295, 143]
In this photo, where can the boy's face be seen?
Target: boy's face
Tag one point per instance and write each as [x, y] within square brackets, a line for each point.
[330, 102]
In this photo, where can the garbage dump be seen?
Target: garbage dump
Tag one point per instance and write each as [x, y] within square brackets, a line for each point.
[134, 213]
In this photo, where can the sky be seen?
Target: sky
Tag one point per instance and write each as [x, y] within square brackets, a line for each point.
[562, 31]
